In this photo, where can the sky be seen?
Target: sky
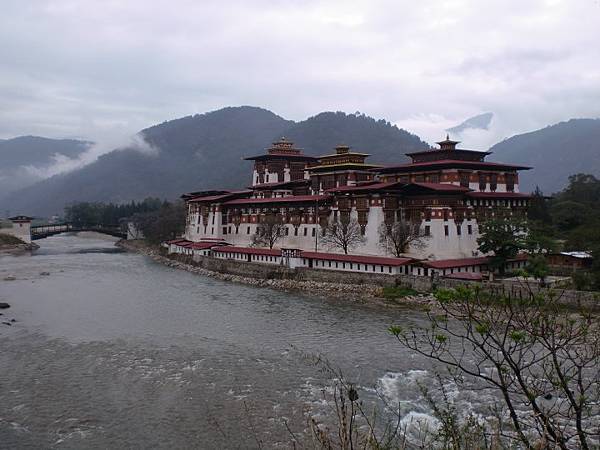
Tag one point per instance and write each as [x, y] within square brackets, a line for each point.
[103, 70]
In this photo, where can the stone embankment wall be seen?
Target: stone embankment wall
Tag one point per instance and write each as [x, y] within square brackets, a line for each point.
[339, 283]
[571, 298]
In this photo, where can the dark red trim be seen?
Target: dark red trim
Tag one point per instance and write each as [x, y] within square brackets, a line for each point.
[249, 251]
[497, 195]
[449, 163]
[289, 199]
[358, 259]
[465, 262]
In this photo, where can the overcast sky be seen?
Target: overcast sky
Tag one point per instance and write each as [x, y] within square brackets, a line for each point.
[103, 70]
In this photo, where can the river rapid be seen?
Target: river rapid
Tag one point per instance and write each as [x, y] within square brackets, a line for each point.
[112, 350]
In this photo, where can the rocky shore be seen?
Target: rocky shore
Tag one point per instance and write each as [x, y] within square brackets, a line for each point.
[15, 249]
[362, 293]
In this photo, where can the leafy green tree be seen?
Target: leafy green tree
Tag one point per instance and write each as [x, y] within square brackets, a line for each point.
[168, 222]
[504, 238]
[539, 210]
[97, 214]
[569, 214]
[537, 267]
[539, 239]
[584, 188]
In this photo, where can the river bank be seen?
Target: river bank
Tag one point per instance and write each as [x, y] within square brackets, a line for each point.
[10, 245]
[357, 293]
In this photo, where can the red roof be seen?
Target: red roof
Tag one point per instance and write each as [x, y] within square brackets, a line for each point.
[371, 186]
[441, 187]
[279, 184]
[250, 250]
[277, 155]
[359, 259]
[214, 198]
[498, 195]
[291, 198]
[464, 262]
[443, 150]
[450, 162]
[176, 241]
[205, 245]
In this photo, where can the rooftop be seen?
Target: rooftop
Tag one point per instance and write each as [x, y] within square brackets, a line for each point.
[249, 251]
[280, 185]
[465, 262]
[283, 149]
[289, 199]
[497, 195]
[450, 163]
[359, 259]
[579, 255]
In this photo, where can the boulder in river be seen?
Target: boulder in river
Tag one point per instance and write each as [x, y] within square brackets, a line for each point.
[4, 305]
[10, 278]
[44, 274]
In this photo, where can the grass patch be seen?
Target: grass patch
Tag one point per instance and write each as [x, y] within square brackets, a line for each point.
[393, 292]
[7, 239]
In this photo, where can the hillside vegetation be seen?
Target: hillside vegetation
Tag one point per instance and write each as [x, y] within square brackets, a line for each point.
[554, 153]
[205, 152]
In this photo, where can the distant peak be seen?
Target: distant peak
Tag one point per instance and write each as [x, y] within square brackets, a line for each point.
[478, 122]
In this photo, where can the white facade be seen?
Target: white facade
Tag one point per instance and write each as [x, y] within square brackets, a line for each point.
[19, 227]
[448, 239]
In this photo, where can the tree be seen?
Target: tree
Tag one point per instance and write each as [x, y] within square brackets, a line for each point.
[538, 207]
[541, 359]
[98, 214]
[396, 238]
[569, 214]
[537, 267]
[344, 233]
[269, 231]
[539, 239]
[502, 237]
[166, 223]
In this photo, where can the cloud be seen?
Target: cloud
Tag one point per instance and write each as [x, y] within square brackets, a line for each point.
[60, 163]
[103, 70]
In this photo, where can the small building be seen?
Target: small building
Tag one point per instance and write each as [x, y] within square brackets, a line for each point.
[570, 260]
[19, 227]
[248, 254]
[357, 263]
[459, 268]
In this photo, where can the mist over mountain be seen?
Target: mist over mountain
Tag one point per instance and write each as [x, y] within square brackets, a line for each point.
[24, 159]
[479, 122]
[205, 151]
[554, 152]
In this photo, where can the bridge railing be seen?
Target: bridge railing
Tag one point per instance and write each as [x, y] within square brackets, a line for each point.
[41, 231]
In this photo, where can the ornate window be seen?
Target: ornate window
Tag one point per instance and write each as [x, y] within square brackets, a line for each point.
[482, 181]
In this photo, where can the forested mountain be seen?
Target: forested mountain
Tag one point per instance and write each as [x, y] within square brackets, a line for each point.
[554, 152]
[22, 159]
[386, 143]
[205, 152]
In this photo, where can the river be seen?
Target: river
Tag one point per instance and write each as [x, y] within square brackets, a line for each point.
[112, 350]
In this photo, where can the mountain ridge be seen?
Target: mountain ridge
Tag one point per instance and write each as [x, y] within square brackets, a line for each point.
[554, 152]
[205, 151]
